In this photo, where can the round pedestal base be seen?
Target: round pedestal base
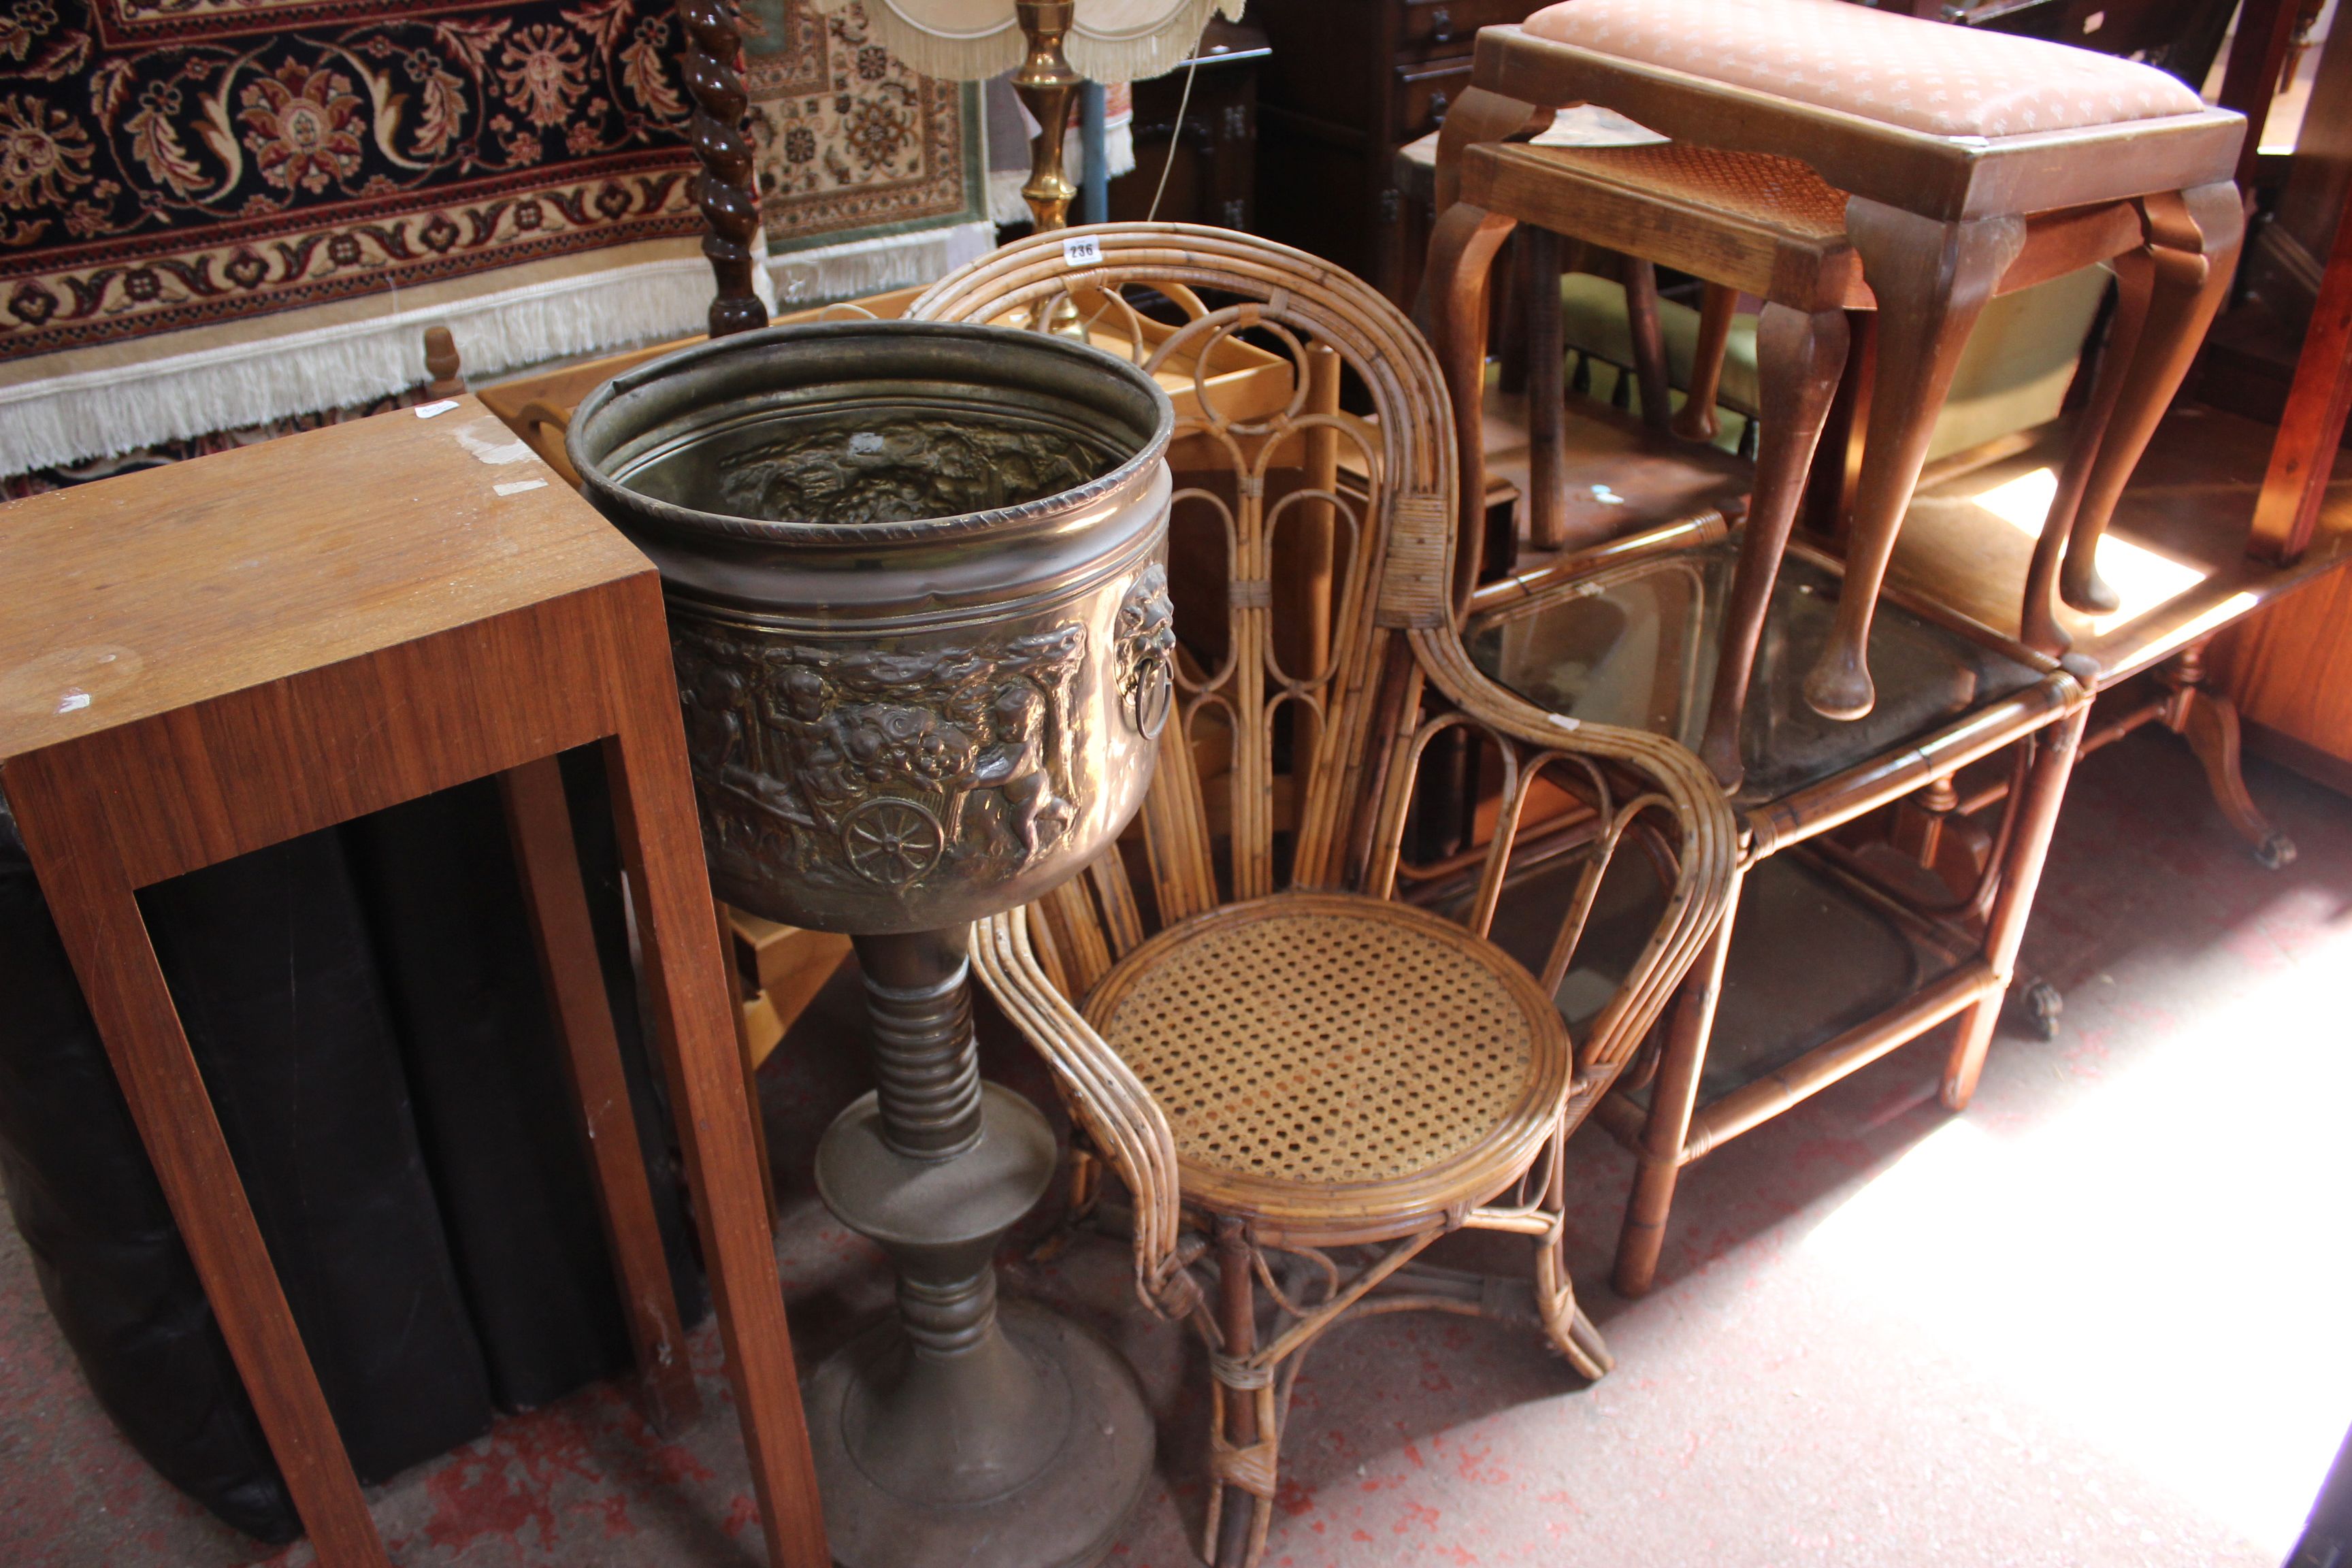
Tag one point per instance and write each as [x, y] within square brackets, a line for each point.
[1065, 1516]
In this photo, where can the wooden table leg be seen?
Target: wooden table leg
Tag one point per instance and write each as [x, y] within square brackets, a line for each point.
[2311, 426]
[98, 917]
[738, 1000]
[2036, 817]
[1672, 1097]
[1799, 358]
[1649, 334]
[2208, 720]
[1932, 280]
[1547, 397]
[538, 824]
[661, 843]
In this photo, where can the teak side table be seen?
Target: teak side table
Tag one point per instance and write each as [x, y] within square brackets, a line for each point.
[203, 660]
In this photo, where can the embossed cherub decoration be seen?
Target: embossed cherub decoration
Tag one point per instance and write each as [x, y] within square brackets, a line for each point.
[1015, 766]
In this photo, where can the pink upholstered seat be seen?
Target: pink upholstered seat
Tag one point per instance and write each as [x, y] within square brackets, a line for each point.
[1923, 76]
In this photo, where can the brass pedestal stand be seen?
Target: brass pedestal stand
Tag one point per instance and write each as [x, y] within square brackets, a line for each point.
[954, 1433]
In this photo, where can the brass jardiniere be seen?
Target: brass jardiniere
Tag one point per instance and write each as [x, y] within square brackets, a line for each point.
[922, 636]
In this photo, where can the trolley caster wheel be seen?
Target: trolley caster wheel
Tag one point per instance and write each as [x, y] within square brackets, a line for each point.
[2043, 1003]
[2276, 852]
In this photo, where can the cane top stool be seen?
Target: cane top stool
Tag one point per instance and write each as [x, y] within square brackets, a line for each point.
[210, 657]
[1956, 163]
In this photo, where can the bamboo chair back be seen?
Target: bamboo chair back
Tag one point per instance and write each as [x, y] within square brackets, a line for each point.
[1317, 669]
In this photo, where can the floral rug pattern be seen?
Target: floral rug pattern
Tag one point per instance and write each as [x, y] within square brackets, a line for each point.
[849, 141]
[168, 164]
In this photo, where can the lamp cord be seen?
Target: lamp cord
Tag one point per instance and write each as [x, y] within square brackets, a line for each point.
[1176, 136]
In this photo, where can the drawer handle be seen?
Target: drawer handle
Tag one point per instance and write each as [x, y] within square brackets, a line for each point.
[1437, 106]
[1441, 24]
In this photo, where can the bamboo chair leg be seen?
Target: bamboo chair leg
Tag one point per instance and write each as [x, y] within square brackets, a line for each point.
[1242, 1440]
[1570, 1331]
[1800, 357]
[2028, 844]
[1673, 1098]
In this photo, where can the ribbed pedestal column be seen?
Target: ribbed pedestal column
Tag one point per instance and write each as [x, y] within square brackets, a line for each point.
[955, 1433]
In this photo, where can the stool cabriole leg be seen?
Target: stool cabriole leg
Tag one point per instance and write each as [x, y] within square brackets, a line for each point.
[1799, 356]
[2038, 619]
[2192, 247]
[1931, 280]
[1454, 314]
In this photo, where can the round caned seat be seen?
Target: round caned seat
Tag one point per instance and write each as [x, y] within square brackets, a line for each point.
[1312, 1045]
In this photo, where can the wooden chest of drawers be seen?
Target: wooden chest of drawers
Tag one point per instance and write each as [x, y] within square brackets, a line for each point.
[1350, 82]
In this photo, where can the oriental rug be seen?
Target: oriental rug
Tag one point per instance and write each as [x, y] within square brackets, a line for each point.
[871, 176]
[221, 214]
[172, 164]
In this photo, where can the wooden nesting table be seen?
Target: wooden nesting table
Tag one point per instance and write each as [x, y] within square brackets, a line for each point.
[207, 658]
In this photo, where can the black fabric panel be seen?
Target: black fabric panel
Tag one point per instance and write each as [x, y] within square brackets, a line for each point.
[318, 1002]
[270, 962]
[110, 1260]
[494, 1103]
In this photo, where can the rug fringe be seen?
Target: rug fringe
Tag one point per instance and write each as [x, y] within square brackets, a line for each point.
[63, 419]
[822, 274]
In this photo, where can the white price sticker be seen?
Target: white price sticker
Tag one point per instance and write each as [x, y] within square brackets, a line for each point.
[1085, 250]
[427, 410]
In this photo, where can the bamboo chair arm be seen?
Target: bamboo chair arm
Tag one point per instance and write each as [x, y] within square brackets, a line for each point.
[1707, 866]
[1105, 1095]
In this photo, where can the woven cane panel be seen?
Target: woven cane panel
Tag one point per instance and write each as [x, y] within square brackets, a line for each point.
[1321, 1047]
[1779, 193]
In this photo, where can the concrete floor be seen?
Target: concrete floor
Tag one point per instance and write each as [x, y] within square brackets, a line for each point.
[2096, 1320]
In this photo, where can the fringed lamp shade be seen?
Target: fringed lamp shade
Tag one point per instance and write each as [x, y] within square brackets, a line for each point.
[1108, 41]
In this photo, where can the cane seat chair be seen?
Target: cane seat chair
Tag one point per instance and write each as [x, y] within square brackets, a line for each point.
[1302, 1079]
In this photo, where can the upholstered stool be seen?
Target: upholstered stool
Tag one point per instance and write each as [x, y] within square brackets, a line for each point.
[207, 658]
[1946, 165]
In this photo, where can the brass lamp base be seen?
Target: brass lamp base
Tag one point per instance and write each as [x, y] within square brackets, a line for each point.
[1047, 85]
